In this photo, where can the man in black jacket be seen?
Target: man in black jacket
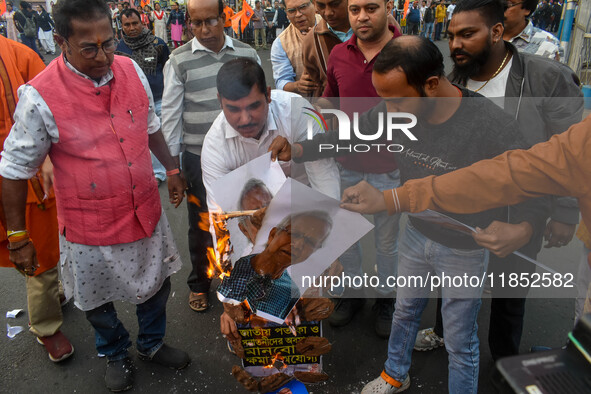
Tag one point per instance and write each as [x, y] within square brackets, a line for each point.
[25, 23]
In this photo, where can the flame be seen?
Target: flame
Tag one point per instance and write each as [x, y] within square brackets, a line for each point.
[218, 256]
[276, 362]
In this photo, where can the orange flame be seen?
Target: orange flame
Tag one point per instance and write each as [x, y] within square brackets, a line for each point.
[219, 256]
[276, 362]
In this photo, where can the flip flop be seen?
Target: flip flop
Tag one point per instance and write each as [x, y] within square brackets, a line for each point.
[198, 302]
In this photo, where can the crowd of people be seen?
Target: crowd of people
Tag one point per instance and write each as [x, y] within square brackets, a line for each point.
[176, 96]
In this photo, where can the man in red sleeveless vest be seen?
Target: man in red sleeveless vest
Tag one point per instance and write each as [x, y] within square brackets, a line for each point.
[93, 113]
[19, 64]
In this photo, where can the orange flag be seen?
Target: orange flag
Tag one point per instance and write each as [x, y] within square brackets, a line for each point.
[248, 13]
[242, 17]
[406, 4]
[145, 3]
[2, 7]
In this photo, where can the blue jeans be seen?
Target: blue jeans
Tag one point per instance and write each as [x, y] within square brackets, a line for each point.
[159, 170]
[419, 256]
[428, 30]
[112, 339]
[385, 232]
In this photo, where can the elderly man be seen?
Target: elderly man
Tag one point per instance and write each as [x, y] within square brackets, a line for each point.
[286, 51]
[150, 53]
[255, 195]
[252, 117]
[115, 240]
[333, 29]
[291, 242]
[189, 106]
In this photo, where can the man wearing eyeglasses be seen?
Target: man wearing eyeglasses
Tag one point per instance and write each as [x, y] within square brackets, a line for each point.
[93, 112]
[286, 51]
[189, 107]
[521, 32]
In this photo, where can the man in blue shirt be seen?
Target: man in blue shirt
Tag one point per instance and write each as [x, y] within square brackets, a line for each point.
[150, 53]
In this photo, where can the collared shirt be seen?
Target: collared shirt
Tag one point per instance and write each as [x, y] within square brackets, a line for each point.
[34, 136]
[343, 36]
[224, 149]
[173, 96]
[348, 72]
[283, 72]
[538, 42]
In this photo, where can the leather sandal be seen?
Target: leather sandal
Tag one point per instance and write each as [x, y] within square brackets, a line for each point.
[198, 302]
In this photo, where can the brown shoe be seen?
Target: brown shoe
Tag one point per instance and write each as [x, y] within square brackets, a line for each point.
[198, 301]
[57, 345]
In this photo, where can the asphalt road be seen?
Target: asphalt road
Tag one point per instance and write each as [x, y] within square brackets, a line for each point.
[357, 356]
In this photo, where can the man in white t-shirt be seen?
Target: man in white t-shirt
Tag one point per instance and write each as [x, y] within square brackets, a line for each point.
[450, 11]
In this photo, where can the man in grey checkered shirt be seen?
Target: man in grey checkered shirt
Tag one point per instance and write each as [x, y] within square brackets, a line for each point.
[521, 32]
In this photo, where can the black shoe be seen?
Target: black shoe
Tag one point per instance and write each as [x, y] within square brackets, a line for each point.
[384, 308]
[119, 375]
[168, 357]
[344, 311]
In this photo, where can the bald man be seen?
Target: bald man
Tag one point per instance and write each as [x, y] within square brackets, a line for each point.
[189, 107]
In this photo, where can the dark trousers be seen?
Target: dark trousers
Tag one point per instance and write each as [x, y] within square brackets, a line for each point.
[111, 337]
[412, 28]
[30, 42]
[199, 240]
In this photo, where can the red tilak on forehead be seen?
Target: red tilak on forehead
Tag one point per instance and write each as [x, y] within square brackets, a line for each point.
[98, 42]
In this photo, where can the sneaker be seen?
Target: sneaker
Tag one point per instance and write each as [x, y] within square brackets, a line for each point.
[119, 375]
[344, 311]
[381, 386]
[385, 311]
[427, 340]
[168, 357]
[57, 345]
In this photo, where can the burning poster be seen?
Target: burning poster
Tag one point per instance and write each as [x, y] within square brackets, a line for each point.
[247, 188]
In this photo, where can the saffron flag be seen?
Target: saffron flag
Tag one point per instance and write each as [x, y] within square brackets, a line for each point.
[2, 7]
[145, 3]
[242, 17]
[406, 4]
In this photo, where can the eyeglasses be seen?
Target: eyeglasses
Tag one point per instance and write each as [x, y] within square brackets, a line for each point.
[309, 242]
[510, 4]
[211, 22]
[90, 52]
[301, 8]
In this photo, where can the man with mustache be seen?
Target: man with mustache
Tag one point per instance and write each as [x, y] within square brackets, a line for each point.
[252, 116]
[544, 96]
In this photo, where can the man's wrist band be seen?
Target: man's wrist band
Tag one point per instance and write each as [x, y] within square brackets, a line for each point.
[13, 248]
[176, 171]
[12, 233]
[18, 238]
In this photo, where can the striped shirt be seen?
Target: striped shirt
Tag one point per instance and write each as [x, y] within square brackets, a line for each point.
[189, 101]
